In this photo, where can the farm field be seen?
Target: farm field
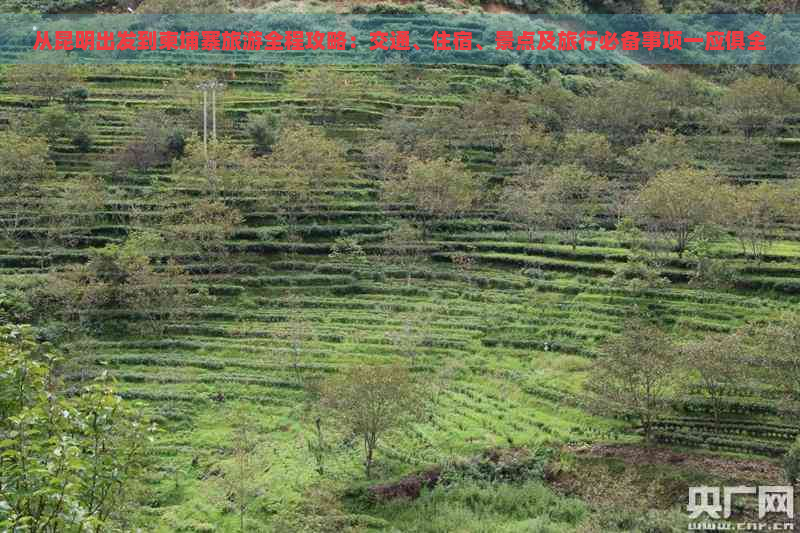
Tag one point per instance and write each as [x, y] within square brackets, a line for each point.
[502, 324]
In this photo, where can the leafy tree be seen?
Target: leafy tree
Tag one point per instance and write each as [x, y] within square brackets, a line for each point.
[640, 272]
[55, 121]
[660, 150]
[487, 119]
[709, 272]
[678, 201]
[756, 212]
[201, 226]
[115, 277]
[263, 130]
[635, 373]
[157, 140]
[401, 245]
[777, 350]
[239, 477]
[529, 147]
[438, 189]
[306, 151]
[716, 361]
[47, 81]
[565, 198]
[67, 461]
[387, 160]
[428, 137]
[347, 251]
[758, 103]
[23, 160]
[76, 203]
[370, 401]
[588, 149]
[222, 167]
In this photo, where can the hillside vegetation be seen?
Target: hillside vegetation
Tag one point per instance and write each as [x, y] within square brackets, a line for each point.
[491, 231]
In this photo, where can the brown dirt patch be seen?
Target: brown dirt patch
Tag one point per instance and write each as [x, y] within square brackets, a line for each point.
[761, 470]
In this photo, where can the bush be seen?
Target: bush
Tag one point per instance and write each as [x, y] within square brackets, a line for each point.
[158, 140]
[82, 141]
[791, 463]
[263, 130]
[74, 96]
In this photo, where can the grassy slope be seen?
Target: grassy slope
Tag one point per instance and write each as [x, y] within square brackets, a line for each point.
[509, 352]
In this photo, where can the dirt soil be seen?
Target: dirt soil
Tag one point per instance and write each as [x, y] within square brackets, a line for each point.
[764, 471]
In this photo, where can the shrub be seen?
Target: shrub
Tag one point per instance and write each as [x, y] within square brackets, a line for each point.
[791, 463]
[157, 141]
[263, 130]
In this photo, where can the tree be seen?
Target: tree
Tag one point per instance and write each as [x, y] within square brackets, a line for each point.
[263, 130]
[588, 149]
[756, 212]
[328, 86]
[68, 457]
[678, 201]
[529, 146]
[201, 226]
[635, 373]
[225, 169]
[370, 401]
[115, 277]
[74, 205]
[401, 245]
[777, 348]
[297, 331]
[47, 81]
[758, 103]
[23, 160]
[387, 160]
[438, 189]
[157, 140]
[306, 151]
[716, 361]
[660, 150]
[565, 198]
[239, 476]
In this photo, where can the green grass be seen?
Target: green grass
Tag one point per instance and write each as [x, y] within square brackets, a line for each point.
[505, 352]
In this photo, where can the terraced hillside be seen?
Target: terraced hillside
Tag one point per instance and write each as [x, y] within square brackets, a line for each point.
[504, 325]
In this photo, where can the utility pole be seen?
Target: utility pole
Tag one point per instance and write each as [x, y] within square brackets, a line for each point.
[213, 86]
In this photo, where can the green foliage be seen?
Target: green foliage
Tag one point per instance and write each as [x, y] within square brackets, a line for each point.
[66, 461]
[635, 373]
[709, 272]
[791, 463]
[46, 81]
[369, 401]
[263, 130]
[23, 160]
[157, 141]
[677, 202]
[660, 150]
[114, 277]
[755, 104]
[565, 198]
[306, 157]
[437, 188]
[472, 507]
